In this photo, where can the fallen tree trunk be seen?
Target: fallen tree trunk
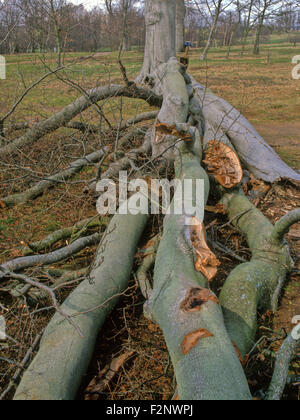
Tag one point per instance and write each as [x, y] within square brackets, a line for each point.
[256, 284]
[252, 149]
[205, 362]
[64, 116]
[64, 356]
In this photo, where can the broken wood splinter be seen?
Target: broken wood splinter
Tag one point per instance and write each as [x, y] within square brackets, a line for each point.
[163, 129]
[206, 261]
[224, 164]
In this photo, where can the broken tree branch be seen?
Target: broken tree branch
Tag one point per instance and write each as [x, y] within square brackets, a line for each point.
[27, 280]
[281, 371]
[63, 358]
[256, 284]
[46, 259]
[283, 225]
[60, 177]
[252, 149]
[64, 116]
[64, 233]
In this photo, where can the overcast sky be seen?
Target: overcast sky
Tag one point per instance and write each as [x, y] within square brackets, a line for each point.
[87, 3]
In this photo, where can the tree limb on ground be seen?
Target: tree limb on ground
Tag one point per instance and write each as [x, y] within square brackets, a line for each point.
[64, 116]
[53, 257]
[60, 177]
[63, 358]
[64, 233]
[256, 284]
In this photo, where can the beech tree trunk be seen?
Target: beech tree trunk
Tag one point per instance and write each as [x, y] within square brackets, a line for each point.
[180, 18]
[160, 35]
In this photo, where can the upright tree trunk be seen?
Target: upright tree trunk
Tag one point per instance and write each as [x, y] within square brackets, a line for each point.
[210, 39]
[57, 33]
[256, 48]
[160, 35]
[180, 17]
[247, 28]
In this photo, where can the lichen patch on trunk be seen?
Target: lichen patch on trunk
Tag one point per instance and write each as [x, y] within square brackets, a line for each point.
[206, 261]
[196, 297]
[224, 164]
[192, 339]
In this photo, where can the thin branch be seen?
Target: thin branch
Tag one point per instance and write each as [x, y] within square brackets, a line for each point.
[283, 225]
[281, 371]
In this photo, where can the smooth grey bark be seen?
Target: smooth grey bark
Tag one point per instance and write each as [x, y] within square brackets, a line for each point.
[281, 371]
[64, 116]
[180, 18]
[57, 370]
[256, 284]
[252, 149]
[160, 35]
[210, 369]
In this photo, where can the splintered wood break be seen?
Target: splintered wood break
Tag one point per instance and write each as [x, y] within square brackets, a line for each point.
[223, 163]
[196, 297]
[237, 350]
[162, 130]
[239, 354]
[191, 339]
[206, 261]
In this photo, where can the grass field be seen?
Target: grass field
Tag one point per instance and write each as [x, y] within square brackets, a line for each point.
[262, 87]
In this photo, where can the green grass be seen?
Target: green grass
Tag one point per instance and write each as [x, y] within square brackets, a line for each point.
[264, 91]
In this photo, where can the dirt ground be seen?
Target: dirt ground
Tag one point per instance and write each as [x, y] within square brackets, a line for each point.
[284, 138]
